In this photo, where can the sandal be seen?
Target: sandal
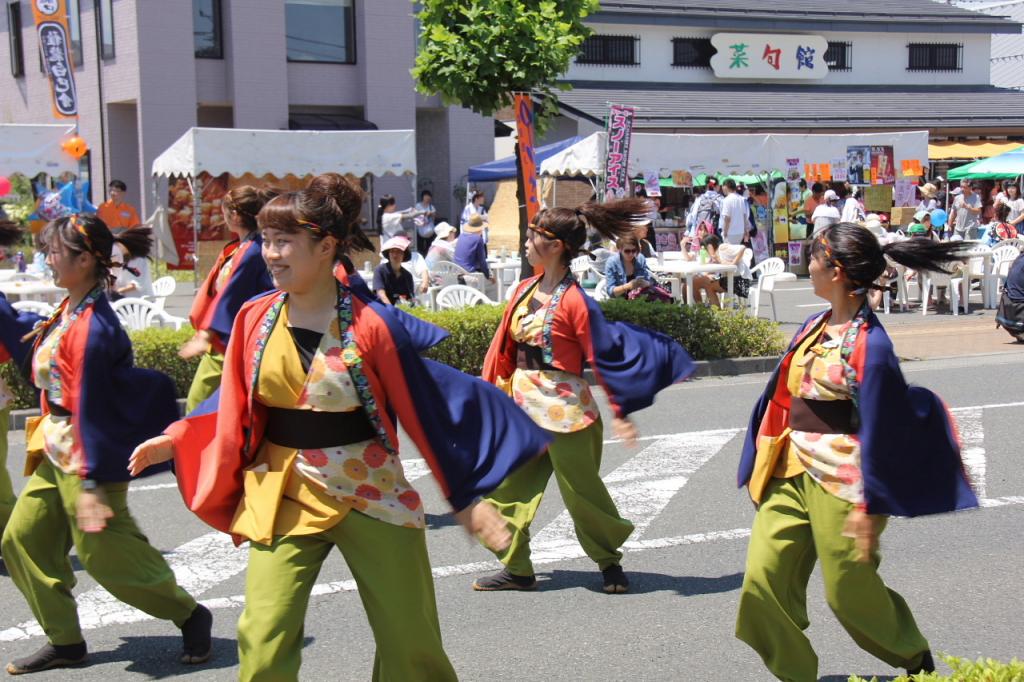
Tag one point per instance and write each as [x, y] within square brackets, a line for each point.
[504, 580]
[197, 643]
[50, 656]
[615, 581]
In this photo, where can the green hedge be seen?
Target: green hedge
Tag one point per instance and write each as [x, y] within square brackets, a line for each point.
[708, 333]
[964, 670]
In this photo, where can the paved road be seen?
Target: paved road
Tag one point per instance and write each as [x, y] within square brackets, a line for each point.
[961, 573]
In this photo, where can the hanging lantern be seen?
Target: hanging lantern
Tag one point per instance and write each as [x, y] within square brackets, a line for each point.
[75, 146]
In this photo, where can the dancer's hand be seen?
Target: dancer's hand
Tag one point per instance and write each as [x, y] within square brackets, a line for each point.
[625, 430]
[150, 452]
[483, 521]
[92, 511]
[197, 345]
[861, 527]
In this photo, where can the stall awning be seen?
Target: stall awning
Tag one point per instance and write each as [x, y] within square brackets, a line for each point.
[289, 152]
[973, 149]
[32, 149]
[1007, 165]
[504, 169]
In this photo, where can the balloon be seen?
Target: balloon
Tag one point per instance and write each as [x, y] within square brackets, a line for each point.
[5, 186]
[75, 146]
[939, 217]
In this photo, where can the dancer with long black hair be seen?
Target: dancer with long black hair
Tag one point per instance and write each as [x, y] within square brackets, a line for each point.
[96, 406]
[550, 329]
[837, 443]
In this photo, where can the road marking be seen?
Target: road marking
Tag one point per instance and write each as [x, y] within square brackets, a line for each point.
[813, 305]
[151, 486]
[972, 448]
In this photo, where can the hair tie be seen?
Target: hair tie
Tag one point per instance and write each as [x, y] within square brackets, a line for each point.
[312, 227]
[73, 221]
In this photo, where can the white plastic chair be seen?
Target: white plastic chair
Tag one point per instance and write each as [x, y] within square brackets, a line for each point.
[1016, 241]
[768, 271]
[902, 299]
[460, 296]
[1002, 256]
[162, 289]
[138, 313]
[26, 277]
[931, 281]
[40, 308]
[974, 269]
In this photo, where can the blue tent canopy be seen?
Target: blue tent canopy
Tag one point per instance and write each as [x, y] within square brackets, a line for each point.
[504, 169]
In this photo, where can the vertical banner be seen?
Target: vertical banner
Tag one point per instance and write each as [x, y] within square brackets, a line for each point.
[620, 130]
[527, 158]
[52, 24]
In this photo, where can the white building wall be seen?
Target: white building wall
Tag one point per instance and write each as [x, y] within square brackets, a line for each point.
[878, 58]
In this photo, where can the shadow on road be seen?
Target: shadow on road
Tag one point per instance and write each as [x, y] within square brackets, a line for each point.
[157, 657]
[641, 582]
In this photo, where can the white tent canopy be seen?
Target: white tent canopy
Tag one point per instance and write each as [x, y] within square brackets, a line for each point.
[734, 154]
[284, 152]
[31, 149]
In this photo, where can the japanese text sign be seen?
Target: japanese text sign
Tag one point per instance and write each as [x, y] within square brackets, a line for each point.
[527, 157]
[620, 129]
[769, 56]
[52, 24]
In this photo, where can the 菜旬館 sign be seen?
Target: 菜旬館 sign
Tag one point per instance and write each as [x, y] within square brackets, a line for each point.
[769, 56]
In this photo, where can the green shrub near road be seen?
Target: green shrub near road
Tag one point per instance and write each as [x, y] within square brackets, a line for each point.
[708, 333]
[964, 670]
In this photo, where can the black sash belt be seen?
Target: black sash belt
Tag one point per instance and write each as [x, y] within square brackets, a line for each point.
[530, 357]
[58, 410]
[822, 416]
[306, 429]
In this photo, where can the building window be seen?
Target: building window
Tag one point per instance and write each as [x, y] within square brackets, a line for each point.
[619, 50]
[839, 56]
[206, 29]
[14, 38]
[935, 57]
[75, 29]
[105, 27]
[692, 52]
[320, 31]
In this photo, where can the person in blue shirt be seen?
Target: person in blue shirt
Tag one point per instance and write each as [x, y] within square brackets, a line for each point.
[626, 270]
[470, 250]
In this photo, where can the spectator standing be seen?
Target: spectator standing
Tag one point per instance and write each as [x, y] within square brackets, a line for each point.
[470, 251]
[827, 212]
[1011, 197]
[966, 212]
[475, 207]
[928, 202]
[734, 224]
[443, 246]
[425, 221]
[815, 198]
[852, 211]
[115, 211]
[389, 218]
[709, 207]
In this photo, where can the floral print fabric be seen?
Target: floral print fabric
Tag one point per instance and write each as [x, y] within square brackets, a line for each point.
[556, 400]
[832, 459]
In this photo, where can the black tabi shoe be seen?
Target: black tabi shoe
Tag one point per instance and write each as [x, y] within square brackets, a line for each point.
[503, 580]
[927, 665]
[50, 656]
[615, 581]
[197, 644]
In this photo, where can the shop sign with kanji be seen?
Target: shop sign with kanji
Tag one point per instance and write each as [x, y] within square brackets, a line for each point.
[769, 56]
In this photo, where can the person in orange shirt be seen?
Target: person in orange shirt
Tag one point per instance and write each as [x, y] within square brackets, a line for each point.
[115, 212]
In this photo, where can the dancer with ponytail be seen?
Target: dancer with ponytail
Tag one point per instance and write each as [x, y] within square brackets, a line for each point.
[301, 455]
[96, 406]
[238, 275]
[549, 330]
[836, 444]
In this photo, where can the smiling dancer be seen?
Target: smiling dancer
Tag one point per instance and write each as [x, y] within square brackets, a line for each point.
[301, 456]
[96, 407]
[837, 443]
[548, 331]
[238, 275]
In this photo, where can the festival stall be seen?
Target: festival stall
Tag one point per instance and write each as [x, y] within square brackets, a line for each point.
[885, 166]
[1003, 167]
[205, 163]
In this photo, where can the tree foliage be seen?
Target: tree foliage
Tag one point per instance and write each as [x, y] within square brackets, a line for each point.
[477, 53]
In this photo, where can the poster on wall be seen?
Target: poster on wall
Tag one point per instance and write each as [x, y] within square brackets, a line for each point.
[839, 170]
[681, 178]
[652, 183]
[878, 198]
[883, 166]
[180, 206]
[904, 194]
[858, 165]
[796, 253]
[793, 169]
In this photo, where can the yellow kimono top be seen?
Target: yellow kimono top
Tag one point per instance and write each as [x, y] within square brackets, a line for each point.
[556, 400]
[832, 459]
[303, 492]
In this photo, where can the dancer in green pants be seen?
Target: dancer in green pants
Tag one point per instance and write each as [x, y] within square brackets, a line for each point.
[7, 497]
[550, 329]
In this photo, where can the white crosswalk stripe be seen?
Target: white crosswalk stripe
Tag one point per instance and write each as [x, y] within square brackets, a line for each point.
[642, 487]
